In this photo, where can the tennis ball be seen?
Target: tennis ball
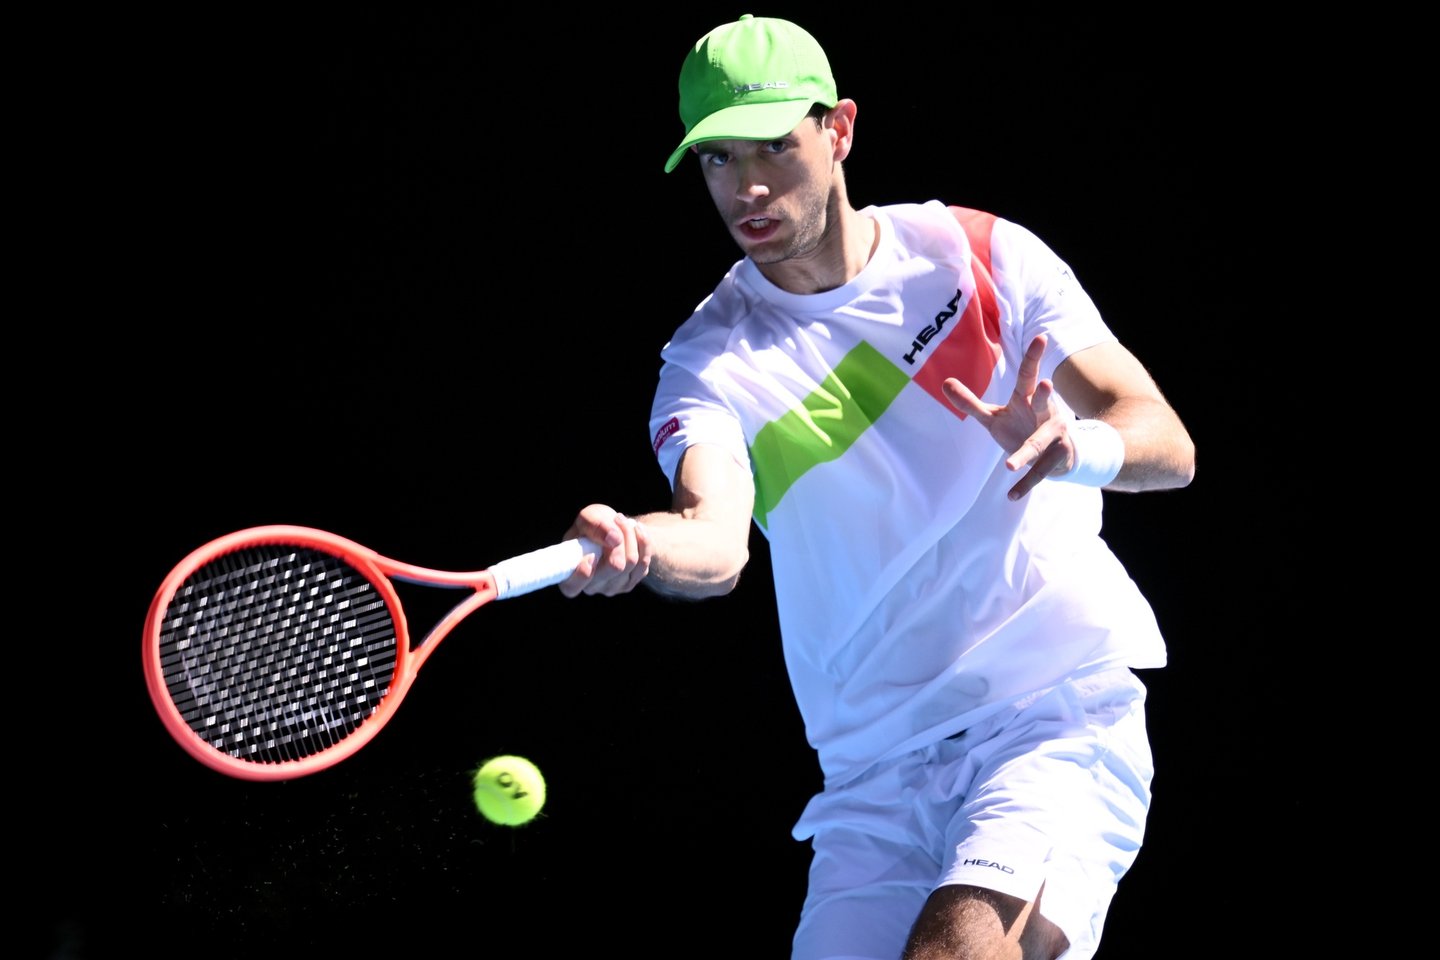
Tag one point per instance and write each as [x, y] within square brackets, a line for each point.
[509, 790]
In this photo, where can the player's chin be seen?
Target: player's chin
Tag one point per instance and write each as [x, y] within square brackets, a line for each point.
[754, 242]
[765, 253]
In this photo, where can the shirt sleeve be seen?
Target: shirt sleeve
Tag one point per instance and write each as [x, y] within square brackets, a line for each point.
[1054, 302]
[686, 412]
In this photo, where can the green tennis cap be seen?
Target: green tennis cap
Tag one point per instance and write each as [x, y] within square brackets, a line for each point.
[754, 79]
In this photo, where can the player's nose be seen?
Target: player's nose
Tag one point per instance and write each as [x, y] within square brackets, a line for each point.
[750, 185]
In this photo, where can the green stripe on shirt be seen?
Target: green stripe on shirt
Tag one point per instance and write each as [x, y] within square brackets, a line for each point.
[853, 396]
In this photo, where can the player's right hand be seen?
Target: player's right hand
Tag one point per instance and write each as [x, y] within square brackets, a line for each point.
[625, 552]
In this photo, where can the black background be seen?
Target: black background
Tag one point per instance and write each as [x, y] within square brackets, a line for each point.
[405, 278]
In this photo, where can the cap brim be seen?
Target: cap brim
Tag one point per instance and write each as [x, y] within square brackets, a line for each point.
[746, 121]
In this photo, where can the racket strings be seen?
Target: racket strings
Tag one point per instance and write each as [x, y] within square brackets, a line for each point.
[277, 653]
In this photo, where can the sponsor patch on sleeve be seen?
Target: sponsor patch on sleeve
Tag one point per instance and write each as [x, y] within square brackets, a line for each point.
[664, 433]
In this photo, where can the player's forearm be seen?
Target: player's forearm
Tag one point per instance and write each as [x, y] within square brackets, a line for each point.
[694, 557]
[1159, 453]
[1106, 382]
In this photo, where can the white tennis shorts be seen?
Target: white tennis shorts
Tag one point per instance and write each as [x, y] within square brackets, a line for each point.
[1053, 790]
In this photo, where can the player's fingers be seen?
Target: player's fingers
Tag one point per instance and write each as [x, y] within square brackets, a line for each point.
[643, 552]
[1028, 452]
[627, 552]
[596, 523]
[605, 579]
[1043, 401]
[1041, 449]
[637, 554]
[1030, 363]
[1045, 453]
[583, 579]
[621, 567]
[962, 398]
[1026, 484]
[1029, 370]
[1041, 469]
[575, 584]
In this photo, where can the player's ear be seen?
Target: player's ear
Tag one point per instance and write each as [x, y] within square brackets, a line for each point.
[841, 119]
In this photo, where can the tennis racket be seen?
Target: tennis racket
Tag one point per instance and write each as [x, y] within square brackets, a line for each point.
[278, 651]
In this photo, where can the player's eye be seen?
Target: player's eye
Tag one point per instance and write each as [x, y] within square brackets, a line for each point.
[714, 158]
[775, 146]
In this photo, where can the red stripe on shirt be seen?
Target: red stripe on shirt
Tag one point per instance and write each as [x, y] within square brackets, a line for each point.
[972, 349]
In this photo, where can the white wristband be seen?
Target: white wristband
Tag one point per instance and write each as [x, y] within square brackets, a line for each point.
[1099, 453]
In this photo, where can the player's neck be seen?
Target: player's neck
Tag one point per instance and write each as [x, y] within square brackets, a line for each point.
[847, 246]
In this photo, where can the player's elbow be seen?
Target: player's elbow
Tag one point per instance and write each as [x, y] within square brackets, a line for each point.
[1185, 462]
[724, 585]
[716, 588]
[728, 576]
[1189, 475]
[1166, 457]
[690, 589]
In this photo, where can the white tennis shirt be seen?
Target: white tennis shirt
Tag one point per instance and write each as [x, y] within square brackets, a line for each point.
[914, 598]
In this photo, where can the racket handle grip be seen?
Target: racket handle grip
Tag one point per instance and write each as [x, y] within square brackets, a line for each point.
[540, 568]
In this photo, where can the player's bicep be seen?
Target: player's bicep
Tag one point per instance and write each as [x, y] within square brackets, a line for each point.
[710, 484]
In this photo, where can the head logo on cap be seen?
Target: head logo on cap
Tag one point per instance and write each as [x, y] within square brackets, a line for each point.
[754, 79]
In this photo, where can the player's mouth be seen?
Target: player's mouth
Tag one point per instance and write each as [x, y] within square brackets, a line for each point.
[759, 228]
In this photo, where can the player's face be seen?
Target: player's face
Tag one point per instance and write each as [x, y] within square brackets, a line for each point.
[774, 195]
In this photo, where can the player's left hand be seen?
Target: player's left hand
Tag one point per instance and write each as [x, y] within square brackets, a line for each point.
[1030, 428]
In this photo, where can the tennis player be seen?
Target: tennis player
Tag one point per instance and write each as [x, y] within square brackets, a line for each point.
[920, 406]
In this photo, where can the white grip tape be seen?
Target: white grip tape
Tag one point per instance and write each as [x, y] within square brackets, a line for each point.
[1099, 453]
[540, 568]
